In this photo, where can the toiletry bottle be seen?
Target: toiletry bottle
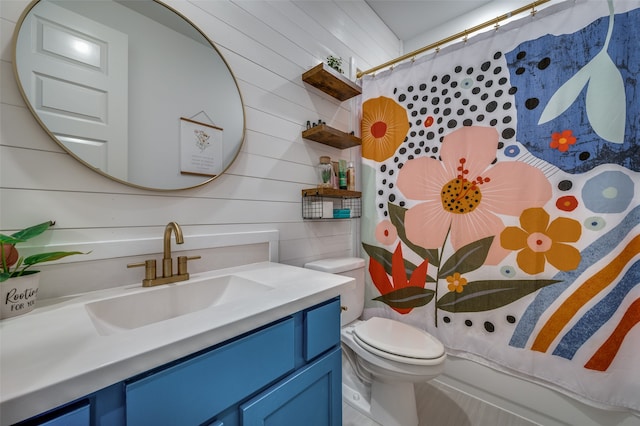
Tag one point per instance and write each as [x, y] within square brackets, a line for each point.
[325, 170]
[351, 177]
[342, 174]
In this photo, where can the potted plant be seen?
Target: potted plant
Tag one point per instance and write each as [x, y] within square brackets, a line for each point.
[18, 283]
[335, 63]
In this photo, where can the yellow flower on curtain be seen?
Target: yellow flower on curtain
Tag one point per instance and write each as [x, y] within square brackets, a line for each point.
[456, 282]
[539, 241]
[384, 128]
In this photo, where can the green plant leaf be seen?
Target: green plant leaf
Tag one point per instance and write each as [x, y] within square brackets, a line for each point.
[407, 297]
[25, 234]
[7, 239]
[49, 257]
[485, 295]
[396, 215]
[383, 257]
[380, 255]
[467, 258]
[32, 231]
[20, 267]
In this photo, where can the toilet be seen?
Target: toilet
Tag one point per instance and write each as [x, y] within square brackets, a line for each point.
[382, 358]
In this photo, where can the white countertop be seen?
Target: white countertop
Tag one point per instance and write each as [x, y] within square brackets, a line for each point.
[55, 354]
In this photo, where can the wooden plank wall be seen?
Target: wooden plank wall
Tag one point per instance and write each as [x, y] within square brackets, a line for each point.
[268, 45]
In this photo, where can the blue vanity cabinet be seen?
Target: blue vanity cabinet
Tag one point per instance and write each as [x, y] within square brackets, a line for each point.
[287, 372]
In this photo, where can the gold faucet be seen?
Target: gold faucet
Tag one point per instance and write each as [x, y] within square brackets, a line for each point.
[150, 278]
[167, 261]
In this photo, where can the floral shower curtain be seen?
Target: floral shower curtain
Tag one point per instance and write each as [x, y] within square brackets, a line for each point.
[500, 198]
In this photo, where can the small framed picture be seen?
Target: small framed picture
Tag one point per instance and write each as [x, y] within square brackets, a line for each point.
[200, 148]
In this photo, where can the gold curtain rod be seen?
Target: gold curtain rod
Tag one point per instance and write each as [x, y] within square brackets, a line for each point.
[462, 34]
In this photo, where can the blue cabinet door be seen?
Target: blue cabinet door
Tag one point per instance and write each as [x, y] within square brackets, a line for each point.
[311, 397]
[321, 329]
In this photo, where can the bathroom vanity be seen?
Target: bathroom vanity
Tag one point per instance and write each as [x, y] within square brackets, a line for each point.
[267, 356]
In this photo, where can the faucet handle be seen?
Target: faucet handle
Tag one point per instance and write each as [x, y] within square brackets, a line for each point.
[149, 268]
[182, 263]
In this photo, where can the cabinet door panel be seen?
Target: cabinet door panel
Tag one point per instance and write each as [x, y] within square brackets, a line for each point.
[77, 417]
[311, 397]
[193, 391]
[322, 329]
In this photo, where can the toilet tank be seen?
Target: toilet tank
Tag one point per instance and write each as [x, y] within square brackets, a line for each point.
[352, 297]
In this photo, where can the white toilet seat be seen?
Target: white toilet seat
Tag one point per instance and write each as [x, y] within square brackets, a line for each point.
[397, 341]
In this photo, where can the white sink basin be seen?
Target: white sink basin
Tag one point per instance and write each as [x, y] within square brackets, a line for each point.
[169, 301]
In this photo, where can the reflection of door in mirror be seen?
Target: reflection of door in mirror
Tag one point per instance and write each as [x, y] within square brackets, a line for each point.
[78, 85]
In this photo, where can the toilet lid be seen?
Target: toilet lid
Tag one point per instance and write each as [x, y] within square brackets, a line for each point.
[398, 339]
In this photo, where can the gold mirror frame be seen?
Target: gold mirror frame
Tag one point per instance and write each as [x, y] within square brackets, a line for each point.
[196, 179]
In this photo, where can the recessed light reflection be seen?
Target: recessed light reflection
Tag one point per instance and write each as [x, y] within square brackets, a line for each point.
[81, 47]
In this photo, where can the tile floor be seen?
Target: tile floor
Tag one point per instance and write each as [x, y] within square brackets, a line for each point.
[439, 405]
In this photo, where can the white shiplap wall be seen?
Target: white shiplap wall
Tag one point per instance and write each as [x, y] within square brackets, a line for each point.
[268, 45]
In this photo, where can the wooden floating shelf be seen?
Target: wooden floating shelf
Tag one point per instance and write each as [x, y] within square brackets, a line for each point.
[332, 137]
[331, 193]
[331, 82]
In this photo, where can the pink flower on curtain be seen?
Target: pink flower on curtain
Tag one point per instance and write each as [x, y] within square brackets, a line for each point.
[386, 233]
[463, 194]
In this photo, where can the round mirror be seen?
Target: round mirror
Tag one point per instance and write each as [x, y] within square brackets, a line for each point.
[131, 89]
